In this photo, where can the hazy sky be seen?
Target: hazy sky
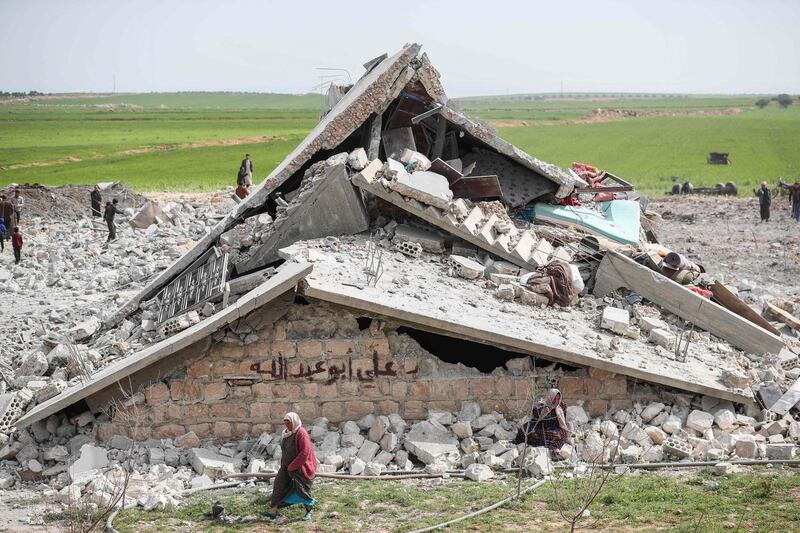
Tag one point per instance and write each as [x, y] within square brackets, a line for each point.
[480, 47]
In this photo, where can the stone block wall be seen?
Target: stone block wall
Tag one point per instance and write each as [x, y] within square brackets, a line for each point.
[317, 361]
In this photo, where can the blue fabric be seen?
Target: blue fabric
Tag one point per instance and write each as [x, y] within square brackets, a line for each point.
[294, 498]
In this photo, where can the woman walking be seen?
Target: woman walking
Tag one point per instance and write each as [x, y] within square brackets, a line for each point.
[298, 468]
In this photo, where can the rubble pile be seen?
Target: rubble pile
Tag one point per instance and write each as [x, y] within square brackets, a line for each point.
[63, 458]
[63, 288]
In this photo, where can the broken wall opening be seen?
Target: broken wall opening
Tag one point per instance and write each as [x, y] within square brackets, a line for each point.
[482, 357]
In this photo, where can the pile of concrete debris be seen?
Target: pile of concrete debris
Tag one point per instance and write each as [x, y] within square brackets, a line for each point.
[70, 277]
[72, 468]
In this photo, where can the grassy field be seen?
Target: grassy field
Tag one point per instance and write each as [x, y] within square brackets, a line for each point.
[194, 141]
[693, 502]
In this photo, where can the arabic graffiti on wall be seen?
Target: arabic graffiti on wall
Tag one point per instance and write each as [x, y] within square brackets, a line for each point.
[280, 369]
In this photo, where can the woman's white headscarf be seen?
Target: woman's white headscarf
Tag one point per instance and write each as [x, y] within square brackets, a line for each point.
[296, 423]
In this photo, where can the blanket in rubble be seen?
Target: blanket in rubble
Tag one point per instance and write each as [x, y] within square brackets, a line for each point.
[554, 281]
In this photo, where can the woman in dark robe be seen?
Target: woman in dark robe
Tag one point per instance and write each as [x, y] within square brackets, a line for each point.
[547, 426]
[298, 467]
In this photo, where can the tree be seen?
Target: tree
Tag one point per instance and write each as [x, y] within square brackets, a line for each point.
[762, 103]
[784, 100]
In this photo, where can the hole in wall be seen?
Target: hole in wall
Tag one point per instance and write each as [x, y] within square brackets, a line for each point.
[482, 357]
[363, 322]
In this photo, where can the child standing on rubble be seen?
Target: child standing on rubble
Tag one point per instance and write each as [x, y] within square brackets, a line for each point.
[16, 244]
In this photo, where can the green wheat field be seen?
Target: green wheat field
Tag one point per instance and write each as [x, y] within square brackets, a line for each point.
[195, 141]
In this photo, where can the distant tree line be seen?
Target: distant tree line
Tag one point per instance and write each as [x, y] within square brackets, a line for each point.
[6, 94]
[784, 100]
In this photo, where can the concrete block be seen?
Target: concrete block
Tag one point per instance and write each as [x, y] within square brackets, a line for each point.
[417, 160]
[478, 472]
[358, 160]
[676, 448]
[699, 420]
[648, 324]
[91, 461]
[781, 451]
[430, 241]
[615, 319]
[466, 268]
[725, 419]
[576, 415]
[429, 442]
[425, 186]
[211, 464]
[745, 447]
[368, 450]
[662, 337]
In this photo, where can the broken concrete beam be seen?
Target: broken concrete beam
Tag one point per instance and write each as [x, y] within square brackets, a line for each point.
[427, 187]
[617, 271]
[781, 451]
[369, 96]
[333, 208]
[790, 399]
[648, 324]
[429, 240]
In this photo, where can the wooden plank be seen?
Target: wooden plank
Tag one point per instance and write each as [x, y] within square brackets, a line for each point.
[477, 187]
[617, 271]
[283, 280]
[440, 167]
[779, 314]
[728, 300]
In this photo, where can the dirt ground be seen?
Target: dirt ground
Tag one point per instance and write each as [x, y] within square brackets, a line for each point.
[726, 236]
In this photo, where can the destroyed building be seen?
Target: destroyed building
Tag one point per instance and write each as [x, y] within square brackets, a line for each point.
[404, 258]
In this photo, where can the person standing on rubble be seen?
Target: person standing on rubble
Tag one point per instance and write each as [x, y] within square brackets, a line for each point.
[2, 235]
[794, 195]
[18, 202]
[298, 468]
[8, 213]
[16, 244]
[96, 201]
[764, 200]
[108, 215]
[547, 425]
[245, 172]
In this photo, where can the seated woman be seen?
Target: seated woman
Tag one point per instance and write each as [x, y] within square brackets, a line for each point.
[298, 468]
[547, 426]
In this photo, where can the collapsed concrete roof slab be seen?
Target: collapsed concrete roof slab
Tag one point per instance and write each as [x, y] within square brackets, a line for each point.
[329, 205]
[617, 271]
[370, 94]
[283, 280]
[417, 293]
[428, 299]
[363, 104]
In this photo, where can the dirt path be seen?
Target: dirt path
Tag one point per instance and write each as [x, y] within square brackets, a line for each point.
[613, 115]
